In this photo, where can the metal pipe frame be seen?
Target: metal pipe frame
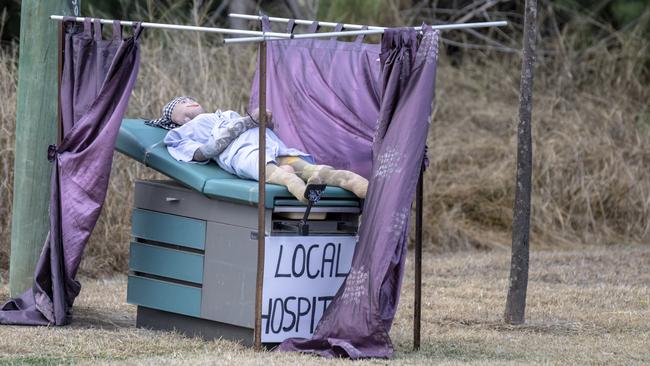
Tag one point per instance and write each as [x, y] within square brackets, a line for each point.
[301, 21]
[419, 199]
[303, 36]
[370, 27]
[358, 28]
[184, 27]
[262, 37]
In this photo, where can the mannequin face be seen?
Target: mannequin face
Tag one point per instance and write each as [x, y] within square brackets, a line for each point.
[185, 111]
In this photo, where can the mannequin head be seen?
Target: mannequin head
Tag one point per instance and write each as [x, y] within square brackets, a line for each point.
[185, 110]
[176, 112]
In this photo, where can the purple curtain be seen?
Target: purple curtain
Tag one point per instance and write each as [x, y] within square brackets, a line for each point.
[325, 98]
[357, 322]
[98, 77]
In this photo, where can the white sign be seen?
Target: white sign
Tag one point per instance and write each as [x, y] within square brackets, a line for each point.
[301, 276]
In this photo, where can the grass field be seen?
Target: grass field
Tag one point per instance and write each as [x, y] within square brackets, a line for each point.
[584, 307]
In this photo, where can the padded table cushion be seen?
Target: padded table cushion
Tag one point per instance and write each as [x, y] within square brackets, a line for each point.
[145, 144]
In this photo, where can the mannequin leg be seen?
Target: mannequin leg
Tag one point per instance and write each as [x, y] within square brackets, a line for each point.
[286, 177]
[325, 174]
[341, 178]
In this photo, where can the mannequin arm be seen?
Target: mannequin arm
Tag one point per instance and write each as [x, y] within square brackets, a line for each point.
[222, 138]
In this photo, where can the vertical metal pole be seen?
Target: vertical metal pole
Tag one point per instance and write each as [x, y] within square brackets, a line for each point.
[417, 303]
[59, 116]
[261, 197]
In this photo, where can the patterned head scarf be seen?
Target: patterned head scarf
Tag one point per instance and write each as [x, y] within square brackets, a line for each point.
[166, 120]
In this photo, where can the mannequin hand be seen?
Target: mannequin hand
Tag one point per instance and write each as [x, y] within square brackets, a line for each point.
[269, 117]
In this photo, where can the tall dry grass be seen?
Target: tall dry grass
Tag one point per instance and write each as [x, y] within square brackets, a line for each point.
[8, 82]
[591, 131]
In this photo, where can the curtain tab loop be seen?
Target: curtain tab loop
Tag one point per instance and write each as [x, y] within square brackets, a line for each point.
[97, 25]
[88, 29]
[338, 28]
[291, 25]
[138, 30]
[69, 24]
[266, 24]
[313, 28]
[117, 30]
[360, 37]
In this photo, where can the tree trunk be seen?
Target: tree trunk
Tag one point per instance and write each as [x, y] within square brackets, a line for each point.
[516, 302]
[241, 7]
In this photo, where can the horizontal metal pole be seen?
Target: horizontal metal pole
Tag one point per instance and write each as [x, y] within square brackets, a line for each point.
[337, 34]
[305, 36]
[500, 23]
[184, 27]
[250, 39]
[300, 21]
[370, 30]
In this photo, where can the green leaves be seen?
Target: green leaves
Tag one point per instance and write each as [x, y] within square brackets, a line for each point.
[625, 11]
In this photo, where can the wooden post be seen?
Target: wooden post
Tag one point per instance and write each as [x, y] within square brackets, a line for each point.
[516, 302]
[36, 128]
[261, 198]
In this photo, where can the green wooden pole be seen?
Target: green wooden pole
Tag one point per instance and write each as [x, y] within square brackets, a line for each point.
[36, 128]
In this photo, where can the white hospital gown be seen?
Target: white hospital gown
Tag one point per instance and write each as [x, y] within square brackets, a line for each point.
[240, 157]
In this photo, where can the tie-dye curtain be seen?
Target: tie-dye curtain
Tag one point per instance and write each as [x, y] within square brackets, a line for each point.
[357, 322]
[325, 98]
[98, 77]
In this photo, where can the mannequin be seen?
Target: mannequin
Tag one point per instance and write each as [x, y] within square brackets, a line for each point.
[232, 141]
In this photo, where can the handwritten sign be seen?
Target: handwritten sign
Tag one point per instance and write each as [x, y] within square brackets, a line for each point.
[301, 276]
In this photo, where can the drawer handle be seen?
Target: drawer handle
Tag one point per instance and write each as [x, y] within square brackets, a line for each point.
[172, 199]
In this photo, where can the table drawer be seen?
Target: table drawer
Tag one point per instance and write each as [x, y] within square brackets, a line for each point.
[162, 295]
[165, 228]
[170, 198]
[166, 262]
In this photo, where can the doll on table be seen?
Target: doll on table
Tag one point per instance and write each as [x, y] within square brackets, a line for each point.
[233, 142]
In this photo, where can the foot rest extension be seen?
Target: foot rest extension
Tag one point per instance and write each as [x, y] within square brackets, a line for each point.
[313, 192]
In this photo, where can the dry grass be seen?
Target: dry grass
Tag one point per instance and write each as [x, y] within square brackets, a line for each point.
[591, 131]
[8, 82]
[584, 307]
[590, 176]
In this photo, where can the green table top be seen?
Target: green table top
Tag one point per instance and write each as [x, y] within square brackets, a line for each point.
[145, 144]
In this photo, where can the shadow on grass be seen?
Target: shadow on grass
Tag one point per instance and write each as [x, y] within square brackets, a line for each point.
[92, 318]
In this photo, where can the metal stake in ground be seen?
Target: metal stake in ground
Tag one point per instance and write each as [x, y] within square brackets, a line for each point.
[417, 298]
[261, 198]
[516, 302]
